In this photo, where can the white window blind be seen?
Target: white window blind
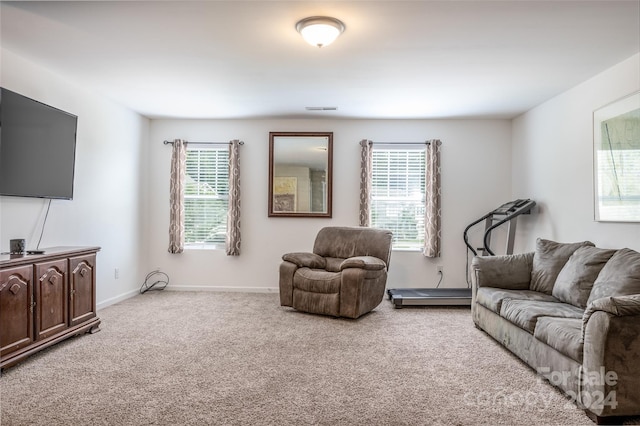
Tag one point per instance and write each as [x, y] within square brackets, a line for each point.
[398, 195]
[206, 196]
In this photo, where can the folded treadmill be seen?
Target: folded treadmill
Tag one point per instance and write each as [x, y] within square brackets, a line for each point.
[505, 214]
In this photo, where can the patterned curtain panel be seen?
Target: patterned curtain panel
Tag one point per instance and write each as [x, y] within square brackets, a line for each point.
[432, 211]
[233, 216]
[366, 167]
[176, 196]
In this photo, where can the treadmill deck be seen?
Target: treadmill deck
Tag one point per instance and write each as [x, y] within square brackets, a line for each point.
[430, 296]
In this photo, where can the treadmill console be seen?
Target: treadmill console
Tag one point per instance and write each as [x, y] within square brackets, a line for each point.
[506, 213]
[511, 206]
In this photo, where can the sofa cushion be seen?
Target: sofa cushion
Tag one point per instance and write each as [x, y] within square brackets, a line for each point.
[576, 278]
[619, 277]
[491, 298]
[548, 260]
[562, 334]
[525, 313]
[511, 271]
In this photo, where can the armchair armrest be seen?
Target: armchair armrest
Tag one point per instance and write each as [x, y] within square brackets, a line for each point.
[508, 271]
[289, 266]
[368, 263]
[308, 260]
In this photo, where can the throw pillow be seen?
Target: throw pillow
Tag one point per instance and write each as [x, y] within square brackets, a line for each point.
[575, 280]
[619, 277]
[548, 260]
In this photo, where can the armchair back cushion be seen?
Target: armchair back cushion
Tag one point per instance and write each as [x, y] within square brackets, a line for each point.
[344, 242]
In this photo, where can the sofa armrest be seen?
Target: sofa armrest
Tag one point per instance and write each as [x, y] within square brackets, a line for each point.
[306, 260]
[611, 371]
[619, 306]
[369, 263]
[507, 271]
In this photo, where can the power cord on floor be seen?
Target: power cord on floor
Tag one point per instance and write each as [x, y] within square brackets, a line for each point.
[467, 271]
[159, 284]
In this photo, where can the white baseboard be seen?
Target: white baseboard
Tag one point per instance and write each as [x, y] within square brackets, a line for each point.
[133, 293]
[117, 299]
[223, 289]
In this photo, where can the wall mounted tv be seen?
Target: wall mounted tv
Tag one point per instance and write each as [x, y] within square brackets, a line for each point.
[37, 148]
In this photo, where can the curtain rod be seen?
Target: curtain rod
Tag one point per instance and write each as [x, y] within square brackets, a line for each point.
[203, 143]
[399, 143]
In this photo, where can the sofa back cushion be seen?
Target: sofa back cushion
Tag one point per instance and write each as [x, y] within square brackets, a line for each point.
[619, 277]
[511, 271]
[575, 280]
[548, 260]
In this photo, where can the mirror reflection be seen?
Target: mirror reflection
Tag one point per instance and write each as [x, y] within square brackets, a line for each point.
[300, 177]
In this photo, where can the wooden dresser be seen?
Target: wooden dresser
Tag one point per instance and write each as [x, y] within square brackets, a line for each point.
[44, 299]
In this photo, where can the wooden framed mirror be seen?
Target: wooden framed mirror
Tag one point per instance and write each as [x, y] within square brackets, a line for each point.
[300, 174]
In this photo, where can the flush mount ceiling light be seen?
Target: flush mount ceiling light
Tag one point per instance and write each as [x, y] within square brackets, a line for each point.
[320, 30]
[321, 108]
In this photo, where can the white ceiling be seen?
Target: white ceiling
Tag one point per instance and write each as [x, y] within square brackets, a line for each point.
[396, 59]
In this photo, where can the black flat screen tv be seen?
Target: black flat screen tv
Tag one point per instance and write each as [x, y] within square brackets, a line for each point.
[37, 148]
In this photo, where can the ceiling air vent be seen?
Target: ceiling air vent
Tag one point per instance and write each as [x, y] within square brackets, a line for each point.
[318, 108]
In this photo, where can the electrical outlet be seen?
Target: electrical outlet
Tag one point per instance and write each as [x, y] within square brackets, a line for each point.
[439, 269]
[116, 273]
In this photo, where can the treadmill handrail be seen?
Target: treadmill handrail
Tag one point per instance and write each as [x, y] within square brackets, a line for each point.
[525, 208]
[466, 237]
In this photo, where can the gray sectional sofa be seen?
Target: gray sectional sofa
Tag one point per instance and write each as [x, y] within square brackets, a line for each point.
[571, 312]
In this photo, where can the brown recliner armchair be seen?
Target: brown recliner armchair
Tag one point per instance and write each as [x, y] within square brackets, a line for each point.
[345, 276]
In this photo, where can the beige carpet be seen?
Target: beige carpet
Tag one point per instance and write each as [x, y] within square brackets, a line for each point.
[182, 358]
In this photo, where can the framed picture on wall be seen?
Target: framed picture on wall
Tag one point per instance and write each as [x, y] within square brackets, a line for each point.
[616, 160]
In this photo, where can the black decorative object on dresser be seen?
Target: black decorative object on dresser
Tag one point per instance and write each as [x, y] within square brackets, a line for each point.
[45, 299]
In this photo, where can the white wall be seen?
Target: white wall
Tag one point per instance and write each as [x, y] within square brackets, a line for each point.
[109, 203]
[553, 163]
[476, 177]
[121, 184]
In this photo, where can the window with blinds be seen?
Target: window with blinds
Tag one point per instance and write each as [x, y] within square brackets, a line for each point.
[206, 197]
[618, 184]
[398, 195]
